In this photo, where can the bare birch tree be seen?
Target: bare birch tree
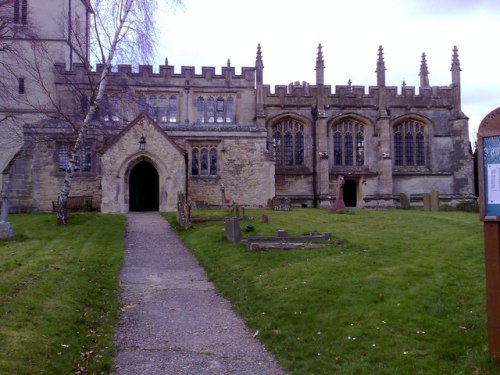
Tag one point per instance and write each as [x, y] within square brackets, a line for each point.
[124, 31]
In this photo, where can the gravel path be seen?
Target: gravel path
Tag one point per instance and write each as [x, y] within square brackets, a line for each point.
[174, 322]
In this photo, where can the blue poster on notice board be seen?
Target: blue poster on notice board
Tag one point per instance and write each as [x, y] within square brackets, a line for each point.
[491, 163]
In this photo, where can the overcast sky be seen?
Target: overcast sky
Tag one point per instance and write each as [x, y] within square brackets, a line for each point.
[208, 33]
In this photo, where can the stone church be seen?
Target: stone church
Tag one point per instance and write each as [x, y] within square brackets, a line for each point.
[228, 137]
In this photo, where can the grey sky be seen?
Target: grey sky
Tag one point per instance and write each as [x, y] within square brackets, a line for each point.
[208, 33]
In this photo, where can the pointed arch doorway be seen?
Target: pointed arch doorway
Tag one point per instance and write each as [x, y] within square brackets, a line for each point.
[143, 187]
[350, 193]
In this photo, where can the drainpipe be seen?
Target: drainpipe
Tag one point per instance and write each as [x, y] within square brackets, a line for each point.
[186, 172]
[314, 113]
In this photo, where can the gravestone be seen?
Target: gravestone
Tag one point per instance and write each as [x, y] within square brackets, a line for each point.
[427, 202]
[265, 219]
[404, 201]
[434, 200]
[183, 210]
[232, 229]
[339, 204]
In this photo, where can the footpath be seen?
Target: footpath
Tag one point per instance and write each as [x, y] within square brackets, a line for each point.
[174, 322]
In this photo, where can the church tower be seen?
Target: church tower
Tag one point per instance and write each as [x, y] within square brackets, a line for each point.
[39, 34]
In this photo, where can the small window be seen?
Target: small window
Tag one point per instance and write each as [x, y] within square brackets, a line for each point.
[83, 160]
[21, 89]
[21, 12]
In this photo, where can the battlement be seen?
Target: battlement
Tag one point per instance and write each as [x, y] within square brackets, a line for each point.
[166, 75]
[364, 96]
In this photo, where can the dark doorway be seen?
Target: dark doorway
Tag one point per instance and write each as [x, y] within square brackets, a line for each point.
[143, 187]
[350, 193]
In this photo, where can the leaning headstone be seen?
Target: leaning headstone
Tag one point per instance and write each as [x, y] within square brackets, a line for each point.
[232, 229]
[404, 201]
[427, 202]
[434, 200]
[339, 204]
[183, 210]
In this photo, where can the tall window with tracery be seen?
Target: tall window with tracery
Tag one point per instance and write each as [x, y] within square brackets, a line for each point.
[160, 108]
[348, 143]
[204, 160]
[409, 143]
[210, 110]
[288, 140]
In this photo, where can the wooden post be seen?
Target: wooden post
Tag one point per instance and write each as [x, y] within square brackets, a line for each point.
[489, 206]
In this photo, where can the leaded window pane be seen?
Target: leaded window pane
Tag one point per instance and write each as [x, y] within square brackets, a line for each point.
[63, 158]
[220, 110]
[213, 162]
[398, 149]
[299, 149]
[210, 110]
[172, 109]
[288, 154]
[194, 162]
[204, 162]
[229, 110]
[337, 149]
[200, 110]
[152, 106]
[141, 104]
[162, 109]
[86, 159]
[277, 148]
[420, 149]
[409, 149]
[348, 149]
[360, 149]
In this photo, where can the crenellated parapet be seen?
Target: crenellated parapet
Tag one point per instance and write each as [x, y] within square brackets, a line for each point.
[362, 96]
[166, 75]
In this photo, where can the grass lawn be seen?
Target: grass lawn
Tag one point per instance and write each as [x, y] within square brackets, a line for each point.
[59, 294]
[398, 292]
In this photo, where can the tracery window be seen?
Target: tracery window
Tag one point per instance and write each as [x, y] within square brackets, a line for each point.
[160, 108]
[83, 160]
[204, 160]
[348, 143]
[210, 110]
[288, 140]
[409, 143]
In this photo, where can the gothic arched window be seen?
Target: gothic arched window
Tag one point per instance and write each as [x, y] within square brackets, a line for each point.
[348, 143]
[288, 139]
[204, 160]
[210, 110]
[409, 143]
